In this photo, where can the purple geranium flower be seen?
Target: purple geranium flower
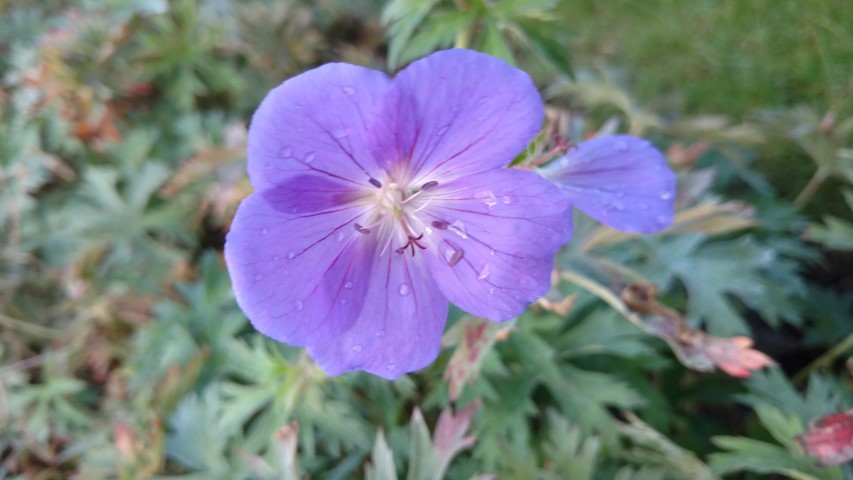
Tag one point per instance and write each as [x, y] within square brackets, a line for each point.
[377, 200]
[621, 181]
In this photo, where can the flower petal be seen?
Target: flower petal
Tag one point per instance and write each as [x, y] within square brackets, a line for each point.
[399, 329]
[619, 180]
[494, 252]
[324, 121]
[465, 112]
[297, 263]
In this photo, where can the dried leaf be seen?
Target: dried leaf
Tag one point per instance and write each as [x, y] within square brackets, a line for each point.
[694, 348]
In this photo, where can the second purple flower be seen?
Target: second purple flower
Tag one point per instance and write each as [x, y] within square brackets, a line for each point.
[377, 200]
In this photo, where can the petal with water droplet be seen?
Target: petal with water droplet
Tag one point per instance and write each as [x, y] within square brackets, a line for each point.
[302, 298]
[516, 242]
[400, 324]
[601, 170]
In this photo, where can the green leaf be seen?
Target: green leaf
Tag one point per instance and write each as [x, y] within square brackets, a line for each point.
[494, 44]
[382, 461]
[543, 39]
[746, 454]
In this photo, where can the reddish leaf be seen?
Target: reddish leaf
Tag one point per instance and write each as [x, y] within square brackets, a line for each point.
[694, 348]
[450, 435]
[830, 439]
[477, 338]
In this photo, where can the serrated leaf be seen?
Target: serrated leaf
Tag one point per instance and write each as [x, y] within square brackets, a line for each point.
[541, 38]
[746, 454]
[494, 43]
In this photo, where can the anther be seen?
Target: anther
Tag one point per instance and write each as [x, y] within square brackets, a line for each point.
[361, 229]
[376, 183]
[440, 224]
[429, 185]
[456, 257]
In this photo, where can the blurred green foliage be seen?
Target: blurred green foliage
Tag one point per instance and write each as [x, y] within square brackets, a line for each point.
[122, 153]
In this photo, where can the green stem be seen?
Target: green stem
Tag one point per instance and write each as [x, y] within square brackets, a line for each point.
[811, 188]
[605, 294]
[826, 359]
[32, 329]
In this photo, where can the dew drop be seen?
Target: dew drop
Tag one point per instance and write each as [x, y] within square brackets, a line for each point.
[291, 255]
[484, 272]
[356, 348]
[506, 199]
[618, 206]
[403, 290]
[488, 198]
[458, 228]
[452, 254]
[492, 252]
[286, 151]
[348, 90]
[665, 195]
[340, 133]
[380, 333]
[661, 220]
[264, 231]
[348, 285]
[298, 305]
[441, 131]
[391, 366]
[309, 157]
[491, 291]
[339, 236]
[275, 258]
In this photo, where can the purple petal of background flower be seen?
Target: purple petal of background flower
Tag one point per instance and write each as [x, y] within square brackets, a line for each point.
[622, 181]
[509, 224]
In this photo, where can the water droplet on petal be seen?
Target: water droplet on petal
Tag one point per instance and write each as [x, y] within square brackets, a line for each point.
[264, 231]
[661, 220]
[309, 157]
[488, 198]
[618, 206]
[484, 272]
[458, 228]
[348, 285]
[298, 305]
[507, 199]
[380, 333]
[356, 348]
[275, 258]
[339, 236]
[391, 366]
[666, 195]
[451, 253]
[441, 131]
[348, 90]
[403, 290]
[291, 255]
[492, 252]
[491, 291]
[340, 133]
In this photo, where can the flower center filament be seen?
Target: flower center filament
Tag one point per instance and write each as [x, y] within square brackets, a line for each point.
[393, 214]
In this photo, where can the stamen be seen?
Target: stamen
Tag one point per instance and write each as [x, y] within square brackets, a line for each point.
[429, 185]
[456, 257]
[361, 229]
[376, 183]
[440, 224]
